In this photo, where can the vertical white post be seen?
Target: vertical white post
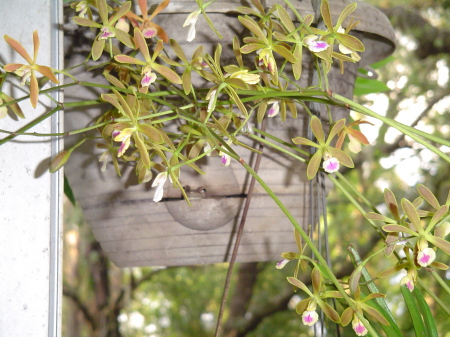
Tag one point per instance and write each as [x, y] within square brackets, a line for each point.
[30, 197]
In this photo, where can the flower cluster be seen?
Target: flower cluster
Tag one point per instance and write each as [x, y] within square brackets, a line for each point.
[416, 228]
[149, 90]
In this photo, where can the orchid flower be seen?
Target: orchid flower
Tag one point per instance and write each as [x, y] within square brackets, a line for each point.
[264, 46]
[317, 297]
[415, 228]
[28, 71]
[355, 136]
[191, 20]
[140, 132]
[227, 84]
[148, 28]
[196, 64]
[359, 328]
[314, 45]
[107, 28]
[362, 308]
[149, 64]
[332, 156]
[159, 182]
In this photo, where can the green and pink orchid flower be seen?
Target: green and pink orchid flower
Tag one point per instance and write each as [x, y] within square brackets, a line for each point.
[362, 307]
[414, 227]
[263, 44]
[107, 28]
[196, 64]
[28, 71]
[335, 34]
[316, 297]
[331, 156]
[148, 28]
[149, 64]
[299, 38]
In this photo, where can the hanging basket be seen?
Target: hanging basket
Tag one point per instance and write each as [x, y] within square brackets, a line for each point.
[136, 231]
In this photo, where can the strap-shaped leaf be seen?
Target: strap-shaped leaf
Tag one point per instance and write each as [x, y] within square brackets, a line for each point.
[412, 214]
[437, 217]
[379, 217]
[313, 165]
[346, 12]
[442, 244]
[428, 319]
[350, 42]
[335, 129]
[343, 157]
[167, 73]
[416, 318]
[284, 52]
[391, 203]
[285, 18]
[428, 196]
[329, 311]
[299, 284]
[151, 132]
[398, 228]
[252, 26]
[326, 16]
[317, 130]
[86, 22]
[121, 12]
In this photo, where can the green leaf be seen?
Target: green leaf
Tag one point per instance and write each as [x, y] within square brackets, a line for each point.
[412, 214]
[68, 191]
[304, 141]
[343, 157]
[299, 284]
[350, 42]
[346, 12]
[419, 326]
[252, 26]
[284, 52]
[391, 203]
[151, 132]
[379, 217]
[329, 311]
[383, 62]
[335, 129]
[428, 319]
[428, 196]
[442, 244]
[167, 73]
[326, 16]
[313, 165]
[365, 86]
[317, 130]
[398, 228]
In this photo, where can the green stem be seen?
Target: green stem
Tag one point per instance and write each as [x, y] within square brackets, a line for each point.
[279, 148]
[355, 191]
[440, 281]
[355, 203]
[30, 125]
[399, 126]
[304, 236]
[433, 295]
